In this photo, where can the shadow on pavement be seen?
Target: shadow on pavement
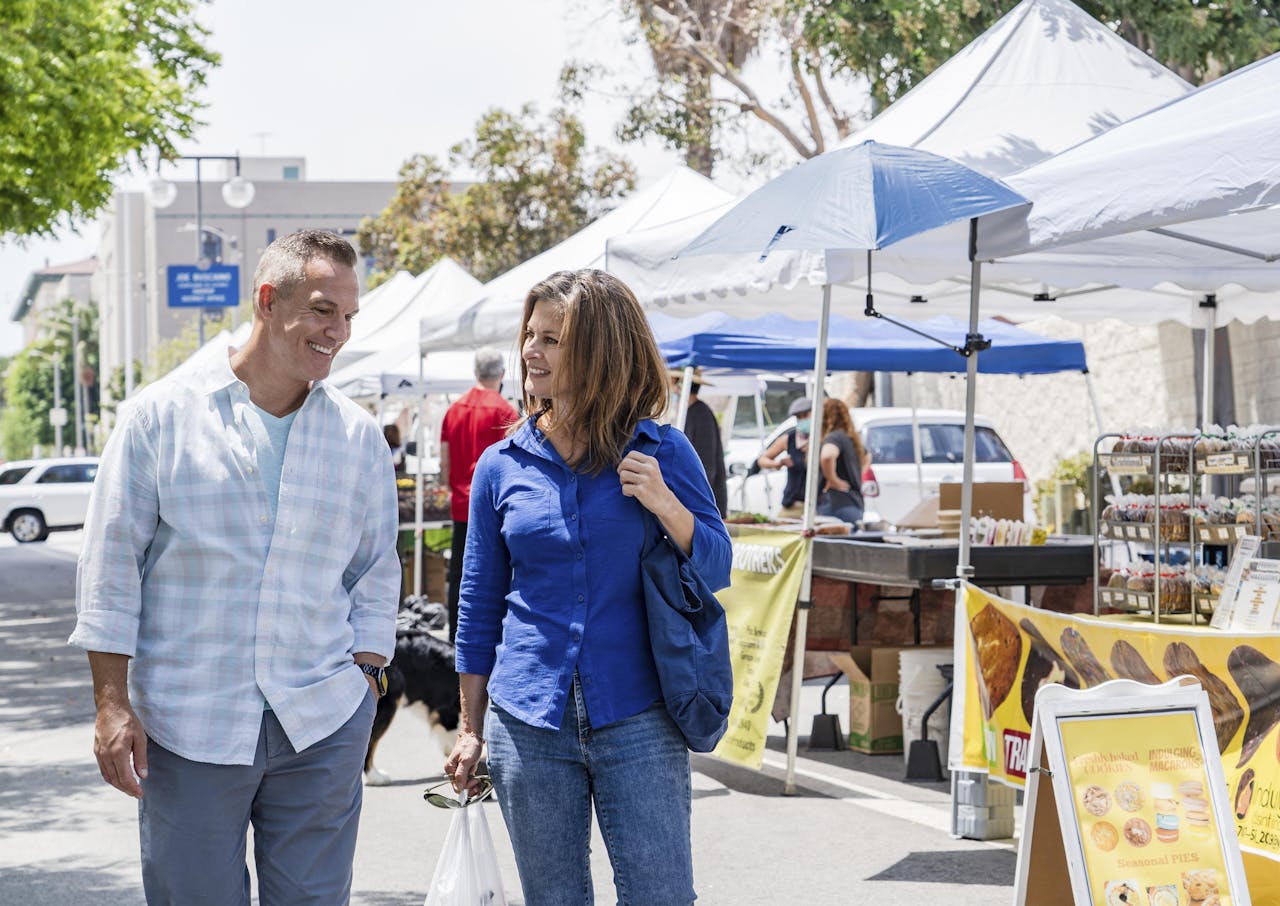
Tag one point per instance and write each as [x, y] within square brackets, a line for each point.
[45, 884]
[38, 797]
[45, 682]
[745, 780]
[966, 866]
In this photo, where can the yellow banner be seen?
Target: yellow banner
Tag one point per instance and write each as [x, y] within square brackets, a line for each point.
[1014, 649]
[759, 603]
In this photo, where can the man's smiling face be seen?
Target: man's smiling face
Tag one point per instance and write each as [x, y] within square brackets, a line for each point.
[311, 321]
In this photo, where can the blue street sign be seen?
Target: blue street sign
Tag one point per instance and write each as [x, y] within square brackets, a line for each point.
[217, 286]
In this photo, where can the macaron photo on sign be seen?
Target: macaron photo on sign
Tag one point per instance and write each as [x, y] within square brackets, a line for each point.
[1133, 776]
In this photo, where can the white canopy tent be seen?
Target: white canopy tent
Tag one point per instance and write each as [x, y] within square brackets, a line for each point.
[1045, 77]
[1188, 192]
[387, 319]
[494, 315]
[378, 307]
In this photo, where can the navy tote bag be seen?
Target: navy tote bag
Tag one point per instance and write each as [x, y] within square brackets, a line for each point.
[689, 637]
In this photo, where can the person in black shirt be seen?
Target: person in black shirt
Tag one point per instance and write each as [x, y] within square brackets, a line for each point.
[788, 451]
[842, 458]
[703, 431]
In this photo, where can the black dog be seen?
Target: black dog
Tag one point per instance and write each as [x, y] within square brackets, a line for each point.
[422, 672]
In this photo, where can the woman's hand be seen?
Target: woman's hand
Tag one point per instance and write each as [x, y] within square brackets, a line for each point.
[641, 478]
[461, 766]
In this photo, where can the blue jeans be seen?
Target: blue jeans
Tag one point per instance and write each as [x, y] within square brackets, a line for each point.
[635, 771]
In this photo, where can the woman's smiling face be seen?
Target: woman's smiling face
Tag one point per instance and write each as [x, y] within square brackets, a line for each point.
[542, 352]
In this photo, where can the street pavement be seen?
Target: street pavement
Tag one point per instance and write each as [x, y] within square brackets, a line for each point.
[853, 832]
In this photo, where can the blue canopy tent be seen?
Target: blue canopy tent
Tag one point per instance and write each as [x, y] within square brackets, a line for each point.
[780, 344]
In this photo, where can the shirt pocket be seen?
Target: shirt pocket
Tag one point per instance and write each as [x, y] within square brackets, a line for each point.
[525, 513]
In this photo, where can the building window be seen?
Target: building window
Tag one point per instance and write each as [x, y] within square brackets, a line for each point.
[292, 174]
[271, 236]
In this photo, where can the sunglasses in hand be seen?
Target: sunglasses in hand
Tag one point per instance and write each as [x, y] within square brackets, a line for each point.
[442, 795]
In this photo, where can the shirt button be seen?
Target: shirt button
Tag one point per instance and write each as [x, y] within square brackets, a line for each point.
[579, 555]
[573, 516]
[577, 637]
[262, 519]
[581, 598]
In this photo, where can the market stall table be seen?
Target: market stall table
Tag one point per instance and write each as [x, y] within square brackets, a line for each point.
[875, 561]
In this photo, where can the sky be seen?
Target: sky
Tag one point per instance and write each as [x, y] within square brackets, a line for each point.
[357, 90]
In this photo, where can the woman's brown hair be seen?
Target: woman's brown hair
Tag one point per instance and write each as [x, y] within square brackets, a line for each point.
[836, 417]
[609, 364]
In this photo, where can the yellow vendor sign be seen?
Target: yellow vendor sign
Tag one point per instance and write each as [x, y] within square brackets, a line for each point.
[759, 604]
[1014, 650]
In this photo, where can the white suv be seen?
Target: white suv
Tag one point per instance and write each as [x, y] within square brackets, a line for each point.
[894, 483]
[42, 495]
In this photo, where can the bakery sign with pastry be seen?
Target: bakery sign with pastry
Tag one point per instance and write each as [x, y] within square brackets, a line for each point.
[1129, 800]
[1141, 801]
[1015, 650]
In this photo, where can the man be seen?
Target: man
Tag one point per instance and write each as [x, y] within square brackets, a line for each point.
[237, 596]
[477, 420]
[703, 431]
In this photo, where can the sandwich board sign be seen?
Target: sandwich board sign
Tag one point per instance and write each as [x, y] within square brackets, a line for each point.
[1126, 802]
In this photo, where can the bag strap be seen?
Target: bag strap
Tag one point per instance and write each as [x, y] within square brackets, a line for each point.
[654, 528]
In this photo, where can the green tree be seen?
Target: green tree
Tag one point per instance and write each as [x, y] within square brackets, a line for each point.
[84, 84]
[536, 184]
[891, 44]
[894, 44]
[28, 380]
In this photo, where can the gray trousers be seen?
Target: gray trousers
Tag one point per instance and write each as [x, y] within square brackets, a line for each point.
[304, 806]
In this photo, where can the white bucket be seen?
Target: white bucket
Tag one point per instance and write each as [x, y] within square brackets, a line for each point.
[920, 682]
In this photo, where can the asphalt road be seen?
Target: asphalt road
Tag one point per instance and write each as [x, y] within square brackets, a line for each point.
[853, 833]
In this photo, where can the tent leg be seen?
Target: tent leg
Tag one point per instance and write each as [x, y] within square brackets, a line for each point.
[810, 507]
[686, 387]
[963, 570]
[417, 491]
[1210, 331]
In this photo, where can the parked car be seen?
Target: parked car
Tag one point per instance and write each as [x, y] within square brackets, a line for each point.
[38, 496]
[893, 484]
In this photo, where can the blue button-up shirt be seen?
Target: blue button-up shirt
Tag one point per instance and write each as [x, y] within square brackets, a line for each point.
[219, 603]
[551, 579]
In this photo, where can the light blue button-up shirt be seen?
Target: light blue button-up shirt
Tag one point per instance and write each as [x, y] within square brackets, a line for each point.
[551, 580]
[220, 605]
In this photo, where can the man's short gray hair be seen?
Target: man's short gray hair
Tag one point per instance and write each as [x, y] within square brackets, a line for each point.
[284, 262]
[489, 364]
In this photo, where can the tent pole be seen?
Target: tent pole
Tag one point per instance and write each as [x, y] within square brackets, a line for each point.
[963, 570]
[915, 435]
[686, 387]
[1210, 328]
[812, 476]
[758, 399]
[419, 452]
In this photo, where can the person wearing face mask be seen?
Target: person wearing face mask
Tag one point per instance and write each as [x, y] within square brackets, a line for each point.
[556, 673]
[788, 451]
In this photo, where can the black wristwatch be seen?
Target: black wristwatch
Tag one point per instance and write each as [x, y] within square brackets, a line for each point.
[379, 675]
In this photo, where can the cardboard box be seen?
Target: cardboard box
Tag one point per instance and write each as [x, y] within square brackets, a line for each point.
[875, 725]
[997, 499]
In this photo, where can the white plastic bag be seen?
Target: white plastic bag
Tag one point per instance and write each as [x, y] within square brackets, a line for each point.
[467, 873]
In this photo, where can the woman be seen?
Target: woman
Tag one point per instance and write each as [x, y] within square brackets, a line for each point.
[788, 450]
[553, 656]
[842, 458]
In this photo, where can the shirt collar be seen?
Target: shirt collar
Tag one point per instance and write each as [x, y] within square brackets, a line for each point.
[531, 439]
[216, 374]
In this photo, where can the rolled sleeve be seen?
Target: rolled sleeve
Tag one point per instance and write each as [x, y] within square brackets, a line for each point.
[712, 554]
[373, 577]
[119, 528]
[486, 577]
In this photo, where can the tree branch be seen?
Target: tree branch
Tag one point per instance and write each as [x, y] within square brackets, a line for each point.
[810, 111]
[838, 117]
[689, 47]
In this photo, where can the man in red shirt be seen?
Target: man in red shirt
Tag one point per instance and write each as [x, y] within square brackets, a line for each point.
[477, 420]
